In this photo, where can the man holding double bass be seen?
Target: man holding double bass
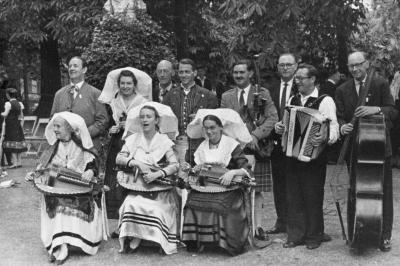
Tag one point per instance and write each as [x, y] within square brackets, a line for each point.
[378, 100]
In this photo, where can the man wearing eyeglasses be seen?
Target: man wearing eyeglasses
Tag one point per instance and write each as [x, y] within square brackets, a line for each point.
[379, 100]
[280, 94]
[305, 181]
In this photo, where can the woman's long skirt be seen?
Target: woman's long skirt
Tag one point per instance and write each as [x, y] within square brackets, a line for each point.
[228, 228]
[68, 226]
[151, 216]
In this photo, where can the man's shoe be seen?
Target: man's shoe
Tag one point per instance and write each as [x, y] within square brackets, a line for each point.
[386, 245]
[277, 230]
[292, 244]
[261, 234]
[326, 238]
[313, 245]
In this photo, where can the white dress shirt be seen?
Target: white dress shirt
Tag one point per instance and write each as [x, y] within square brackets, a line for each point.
[288, 90]
[78, 86]
[328, 108]
[245, 95]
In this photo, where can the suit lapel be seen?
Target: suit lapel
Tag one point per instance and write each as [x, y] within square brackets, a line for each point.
[234, 100]
[353, 94]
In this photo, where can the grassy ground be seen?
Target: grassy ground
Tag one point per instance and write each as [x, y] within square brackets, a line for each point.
[20, 242]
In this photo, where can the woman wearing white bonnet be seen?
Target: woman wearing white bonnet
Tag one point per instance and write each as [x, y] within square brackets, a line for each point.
[71, 220]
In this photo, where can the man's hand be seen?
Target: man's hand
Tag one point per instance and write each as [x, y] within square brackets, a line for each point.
[363, 111]
[88, 175]
[279, 128]
[318, 139]
[346, 128]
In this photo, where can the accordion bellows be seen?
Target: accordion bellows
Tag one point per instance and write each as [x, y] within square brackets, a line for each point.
[301, 125]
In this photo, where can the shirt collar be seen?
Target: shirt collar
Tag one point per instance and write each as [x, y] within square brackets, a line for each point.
[166, 89]
[290, 82]
[246, 90]
[78, 85]
[331, 81]
[357, 82]
[313, 94]
[190, 87]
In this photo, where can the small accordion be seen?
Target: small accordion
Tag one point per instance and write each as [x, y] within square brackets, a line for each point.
[301, 125]
[61, 181]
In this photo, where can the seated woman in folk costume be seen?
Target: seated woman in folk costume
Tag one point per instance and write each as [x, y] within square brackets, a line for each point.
[71, 220]
[150, 211]
[217, 214]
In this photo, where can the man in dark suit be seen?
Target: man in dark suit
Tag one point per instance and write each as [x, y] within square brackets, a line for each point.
[81, 98]
[241, 99]
[379, 100]
[201, 78]
[280, 94]
[164, 73]
[185, 100]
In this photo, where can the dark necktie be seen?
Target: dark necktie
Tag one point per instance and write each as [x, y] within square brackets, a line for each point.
[360, 88]
[241, 99]
[283, 100]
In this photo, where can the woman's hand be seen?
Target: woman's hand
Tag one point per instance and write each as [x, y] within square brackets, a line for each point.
[88, 176]
[122, 124]
[196, 169]
[114, 130]
[185, 166]
[151, 176]
[226, 179]
[144, 168]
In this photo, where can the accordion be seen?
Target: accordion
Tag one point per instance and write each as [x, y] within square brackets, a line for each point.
[301, 125]
[60, 181]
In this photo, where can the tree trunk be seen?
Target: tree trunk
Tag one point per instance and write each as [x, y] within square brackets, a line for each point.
[342, 42]
[50, 75]
[181, 30]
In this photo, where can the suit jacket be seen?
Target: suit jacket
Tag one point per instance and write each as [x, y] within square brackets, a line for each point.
[204, 99]
[156, 92]
[230, 100]
[379, 95]
[207, 83]
[274, 89]
[85, 104]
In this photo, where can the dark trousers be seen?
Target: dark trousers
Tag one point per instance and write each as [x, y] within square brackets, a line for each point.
[279, 185]
[387, 212]
[305, 196]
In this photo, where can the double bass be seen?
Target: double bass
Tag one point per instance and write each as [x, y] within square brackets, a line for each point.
[365, 199]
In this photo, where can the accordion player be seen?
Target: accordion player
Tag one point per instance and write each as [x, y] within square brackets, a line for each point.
[301, 125]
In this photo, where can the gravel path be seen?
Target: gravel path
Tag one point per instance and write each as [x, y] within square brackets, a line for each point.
[20, 242]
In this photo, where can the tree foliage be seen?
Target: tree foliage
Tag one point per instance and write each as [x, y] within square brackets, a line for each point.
[116, 43]
[316, 30]
[379, 36]
[48, 25]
